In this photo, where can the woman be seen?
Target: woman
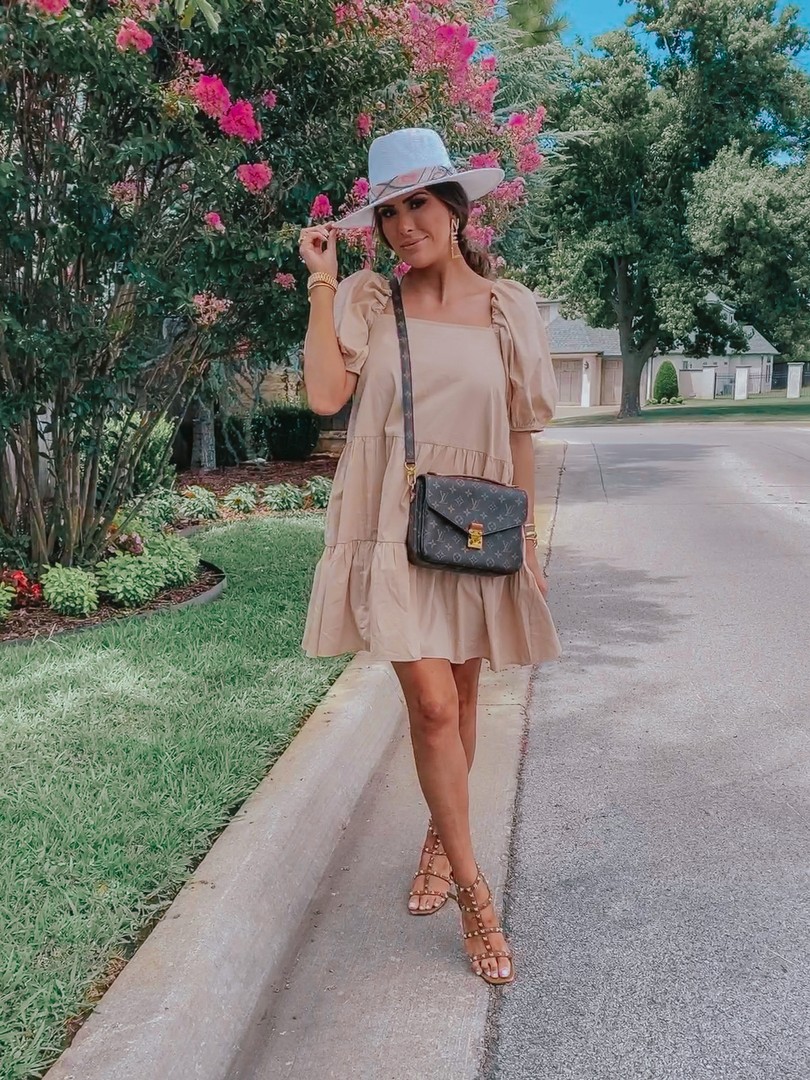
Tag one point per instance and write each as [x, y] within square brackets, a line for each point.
[482, 382]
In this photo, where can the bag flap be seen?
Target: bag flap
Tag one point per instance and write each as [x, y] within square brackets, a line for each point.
[463, 500]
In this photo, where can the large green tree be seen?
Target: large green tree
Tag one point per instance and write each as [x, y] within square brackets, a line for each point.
[609, 229]
[750, 223]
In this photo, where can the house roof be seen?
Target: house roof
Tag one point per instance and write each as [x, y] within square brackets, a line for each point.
[575, 336]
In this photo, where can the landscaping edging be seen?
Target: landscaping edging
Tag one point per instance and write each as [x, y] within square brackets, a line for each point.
[181, 1005]
[206, 597]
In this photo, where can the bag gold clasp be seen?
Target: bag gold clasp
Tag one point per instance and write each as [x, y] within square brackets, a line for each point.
[475, 536]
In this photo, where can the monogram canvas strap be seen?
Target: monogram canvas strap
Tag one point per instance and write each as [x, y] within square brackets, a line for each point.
[407, 380]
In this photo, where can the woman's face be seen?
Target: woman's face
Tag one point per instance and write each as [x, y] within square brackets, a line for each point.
[417, 227]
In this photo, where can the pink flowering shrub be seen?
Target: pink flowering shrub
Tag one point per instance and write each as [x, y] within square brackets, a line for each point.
[284, 281]
[50, 7]
[321, 208]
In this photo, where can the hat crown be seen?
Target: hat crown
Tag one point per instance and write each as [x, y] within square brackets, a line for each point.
[405, 151]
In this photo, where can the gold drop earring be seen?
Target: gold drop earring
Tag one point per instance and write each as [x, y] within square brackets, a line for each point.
[455, 250]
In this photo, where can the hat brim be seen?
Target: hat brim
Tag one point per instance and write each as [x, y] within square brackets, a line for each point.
[476, 184]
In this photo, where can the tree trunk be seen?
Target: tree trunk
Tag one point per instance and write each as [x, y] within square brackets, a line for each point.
[632, 366]
[203, 446]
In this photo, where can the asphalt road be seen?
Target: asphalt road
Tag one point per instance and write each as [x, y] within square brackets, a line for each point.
[659, 894]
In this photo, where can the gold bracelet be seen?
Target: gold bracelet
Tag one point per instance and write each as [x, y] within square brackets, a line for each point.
[320, 278]
[530, 533]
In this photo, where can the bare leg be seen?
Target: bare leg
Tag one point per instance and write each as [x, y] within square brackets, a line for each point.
[442, 764]
[428, 885]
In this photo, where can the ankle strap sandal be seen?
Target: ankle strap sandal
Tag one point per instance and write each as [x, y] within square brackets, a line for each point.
[433, 849]
[467, 892]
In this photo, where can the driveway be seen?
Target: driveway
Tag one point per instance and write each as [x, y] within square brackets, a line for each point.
[658, 895]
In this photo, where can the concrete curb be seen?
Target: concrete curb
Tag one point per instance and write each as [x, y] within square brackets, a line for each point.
[181, 1005]
[185, 1002]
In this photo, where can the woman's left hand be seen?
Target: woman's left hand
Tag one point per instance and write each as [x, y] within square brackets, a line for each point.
[533, 563]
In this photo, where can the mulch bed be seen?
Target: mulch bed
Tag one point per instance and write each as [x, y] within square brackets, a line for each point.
[32, 623]
[221, 481]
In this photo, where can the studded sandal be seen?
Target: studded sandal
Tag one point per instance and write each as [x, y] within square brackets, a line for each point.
[435, 848]
[483, 932]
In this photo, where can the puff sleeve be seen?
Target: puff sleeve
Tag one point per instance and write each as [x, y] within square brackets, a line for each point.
[360, 298]
[532, 385]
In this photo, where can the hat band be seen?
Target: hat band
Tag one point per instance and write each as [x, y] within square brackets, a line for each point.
[415, 179]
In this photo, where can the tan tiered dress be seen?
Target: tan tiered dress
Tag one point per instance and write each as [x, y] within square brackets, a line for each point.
[471, 385]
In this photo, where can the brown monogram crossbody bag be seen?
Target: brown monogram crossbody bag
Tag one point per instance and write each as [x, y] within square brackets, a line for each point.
[460, 523]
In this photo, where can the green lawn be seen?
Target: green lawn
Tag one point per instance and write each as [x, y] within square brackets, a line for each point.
[763, 408]
[123, 752]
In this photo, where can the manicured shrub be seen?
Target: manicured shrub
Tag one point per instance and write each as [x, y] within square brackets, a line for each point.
[197, 504]
[180, 560]
[242, 498]
[6, 600]
[286, 431]
[319, 488]
[283, 497]
[131, 580]
[666, 381]
[71, 591]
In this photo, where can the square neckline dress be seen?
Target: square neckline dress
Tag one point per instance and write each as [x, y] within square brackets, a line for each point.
[471, 385]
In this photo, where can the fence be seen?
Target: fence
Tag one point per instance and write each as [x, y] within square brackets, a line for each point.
[758, 383]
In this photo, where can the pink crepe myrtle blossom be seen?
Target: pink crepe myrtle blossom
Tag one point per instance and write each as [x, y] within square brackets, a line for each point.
[255, 177]
[124, 193]
[240, 121]
[50, 7]
[184, 188]
[364, 125]
[212, 95]
[346, 12]
[401, 269]
[132, 36]
[360, 189]
[185, 81]
[321, 208]
[214, 221]
[209, 308]
[488, 160]
[284, 281]
[529, 158]
[483, 235]
[270, 99]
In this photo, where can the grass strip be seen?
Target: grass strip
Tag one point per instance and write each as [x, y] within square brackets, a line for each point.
[780, 409]
[123, 753]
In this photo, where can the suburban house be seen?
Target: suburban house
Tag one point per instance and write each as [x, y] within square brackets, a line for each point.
[588, 362]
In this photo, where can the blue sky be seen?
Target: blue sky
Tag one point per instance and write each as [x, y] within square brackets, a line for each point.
[590, 17]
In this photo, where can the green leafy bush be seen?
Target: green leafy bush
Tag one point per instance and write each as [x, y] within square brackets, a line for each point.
[319, 488]
[197, 504]
[180, 560]
[283, 497]
[70, 591]
[286, 431]
[6, 600]
[666, 381]
[242, 498]
[158, 509]
[131, 580]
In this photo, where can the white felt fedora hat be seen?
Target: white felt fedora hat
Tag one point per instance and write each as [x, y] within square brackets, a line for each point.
[410, 159]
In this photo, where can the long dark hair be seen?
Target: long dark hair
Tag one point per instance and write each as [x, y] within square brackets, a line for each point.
[455, 199]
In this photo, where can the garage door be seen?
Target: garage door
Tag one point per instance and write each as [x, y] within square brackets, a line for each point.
[569, 381]
[611, 382]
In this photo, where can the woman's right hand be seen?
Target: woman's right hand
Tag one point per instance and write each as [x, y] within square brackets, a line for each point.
[319, 259]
